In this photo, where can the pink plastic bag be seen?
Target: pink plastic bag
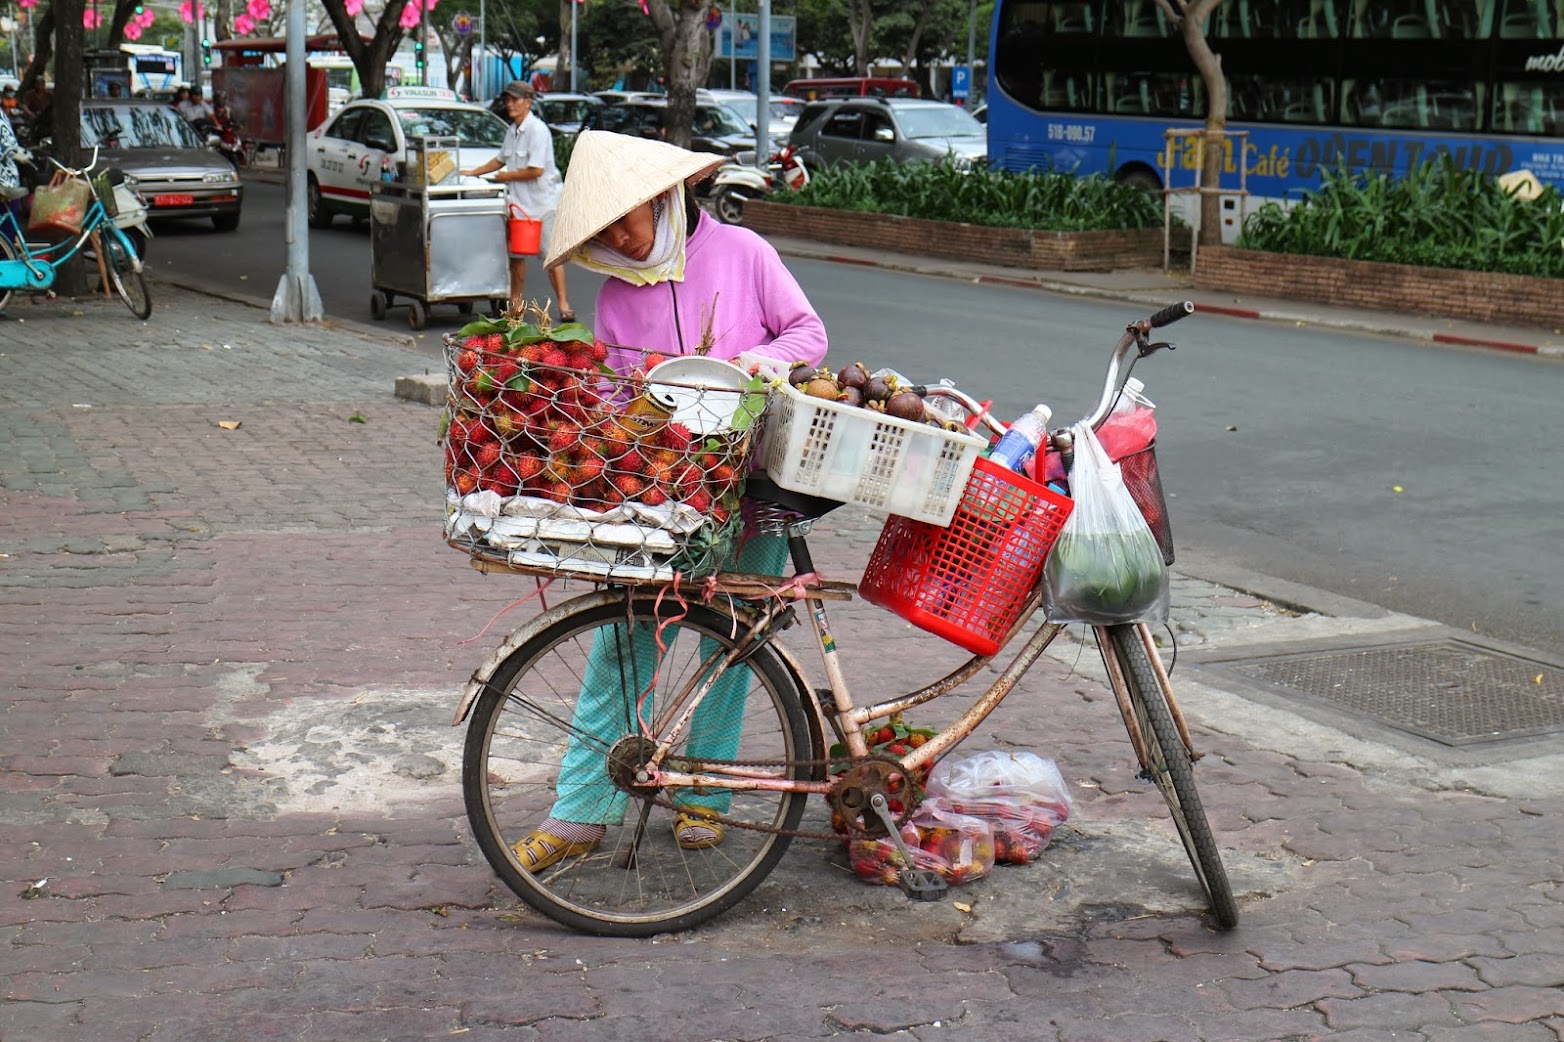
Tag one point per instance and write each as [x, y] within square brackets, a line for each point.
[1122, 434]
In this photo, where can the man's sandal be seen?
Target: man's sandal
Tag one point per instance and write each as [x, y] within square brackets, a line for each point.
[696, 828]
[538, 850]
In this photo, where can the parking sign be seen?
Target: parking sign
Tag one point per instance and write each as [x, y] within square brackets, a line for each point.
[961, 81]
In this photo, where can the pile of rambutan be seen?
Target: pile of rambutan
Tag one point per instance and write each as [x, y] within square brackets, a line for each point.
[536, 412]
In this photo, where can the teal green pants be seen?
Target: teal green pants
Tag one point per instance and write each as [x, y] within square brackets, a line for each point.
[619, 664]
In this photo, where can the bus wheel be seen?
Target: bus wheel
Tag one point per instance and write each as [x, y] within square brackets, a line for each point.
[1143, 179]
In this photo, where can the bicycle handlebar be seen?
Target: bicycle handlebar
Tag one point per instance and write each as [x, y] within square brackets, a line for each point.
[1136, 334]
[76, 173]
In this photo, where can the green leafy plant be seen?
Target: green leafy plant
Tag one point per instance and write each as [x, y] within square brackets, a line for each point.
[1040, 200]
[1438, 216]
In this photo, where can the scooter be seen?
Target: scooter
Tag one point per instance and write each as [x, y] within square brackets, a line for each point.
[736, 183]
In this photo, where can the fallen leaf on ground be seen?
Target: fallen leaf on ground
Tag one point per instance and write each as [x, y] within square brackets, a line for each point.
[229, 425]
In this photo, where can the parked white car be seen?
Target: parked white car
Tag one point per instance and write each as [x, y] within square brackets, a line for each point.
[353, 151]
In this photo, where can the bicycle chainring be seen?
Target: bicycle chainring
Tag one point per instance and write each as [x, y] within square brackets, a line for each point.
[878, 774]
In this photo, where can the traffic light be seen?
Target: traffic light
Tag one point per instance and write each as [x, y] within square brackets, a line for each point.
[138, 9]
[418, 53]
[206, 52]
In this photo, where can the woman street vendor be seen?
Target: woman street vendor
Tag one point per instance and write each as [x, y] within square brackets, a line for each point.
[679, 282]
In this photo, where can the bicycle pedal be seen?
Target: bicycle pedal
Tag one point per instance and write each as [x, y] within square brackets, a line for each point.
[923, 884]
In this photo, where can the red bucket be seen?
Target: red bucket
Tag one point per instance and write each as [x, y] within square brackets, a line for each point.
[968, 582]
[524, 234]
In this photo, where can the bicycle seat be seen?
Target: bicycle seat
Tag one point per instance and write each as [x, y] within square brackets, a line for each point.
[761, 488]
[12, 192]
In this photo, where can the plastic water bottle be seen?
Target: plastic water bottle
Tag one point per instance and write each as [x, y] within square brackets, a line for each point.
[1132, 397]
[1021, 441]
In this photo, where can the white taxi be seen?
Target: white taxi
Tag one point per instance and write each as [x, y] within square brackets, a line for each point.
[361, 145]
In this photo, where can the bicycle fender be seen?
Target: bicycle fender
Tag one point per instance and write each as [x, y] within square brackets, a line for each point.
[536, 625]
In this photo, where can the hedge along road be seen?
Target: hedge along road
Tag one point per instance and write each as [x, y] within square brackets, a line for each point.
[1420, 478]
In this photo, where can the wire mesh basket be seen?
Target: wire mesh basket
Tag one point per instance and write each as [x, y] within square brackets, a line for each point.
[554, 464]
[1144, 483]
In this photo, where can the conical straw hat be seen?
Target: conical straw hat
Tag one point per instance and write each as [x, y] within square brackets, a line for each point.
[610, 175]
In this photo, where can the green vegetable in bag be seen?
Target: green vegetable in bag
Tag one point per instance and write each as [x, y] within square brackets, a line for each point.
[1106, 568]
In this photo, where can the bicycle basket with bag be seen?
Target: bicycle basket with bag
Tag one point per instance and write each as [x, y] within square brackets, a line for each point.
[60, 207]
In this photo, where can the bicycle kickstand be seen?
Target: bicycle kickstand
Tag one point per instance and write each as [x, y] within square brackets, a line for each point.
[919, 884]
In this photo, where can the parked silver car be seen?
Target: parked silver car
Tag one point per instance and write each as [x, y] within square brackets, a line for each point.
[177, 173]
[907, 130]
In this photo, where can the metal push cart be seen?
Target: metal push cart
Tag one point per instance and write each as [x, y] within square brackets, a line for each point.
[435, 240]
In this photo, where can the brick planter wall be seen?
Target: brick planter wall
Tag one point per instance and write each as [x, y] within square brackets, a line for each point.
[1472, 295]
[1012, 247]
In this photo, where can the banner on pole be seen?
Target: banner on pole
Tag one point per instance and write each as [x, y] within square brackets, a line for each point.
[739, 37]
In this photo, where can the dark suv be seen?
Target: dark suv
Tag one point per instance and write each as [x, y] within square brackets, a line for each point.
[907, 130]
[715, 127]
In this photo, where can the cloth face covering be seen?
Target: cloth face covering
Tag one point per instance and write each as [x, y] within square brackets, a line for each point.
[665, 263]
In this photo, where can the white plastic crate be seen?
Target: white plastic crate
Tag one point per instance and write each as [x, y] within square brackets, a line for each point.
[852, 455]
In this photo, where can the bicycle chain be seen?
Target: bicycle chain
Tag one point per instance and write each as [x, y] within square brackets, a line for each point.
[688, 766]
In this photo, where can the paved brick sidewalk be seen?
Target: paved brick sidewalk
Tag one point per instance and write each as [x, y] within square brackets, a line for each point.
[230, 808]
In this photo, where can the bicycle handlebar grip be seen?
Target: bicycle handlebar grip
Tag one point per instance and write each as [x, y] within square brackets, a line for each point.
[1172, 313]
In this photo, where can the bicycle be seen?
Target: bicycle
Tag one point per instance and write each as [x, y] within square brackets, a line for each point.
[638, 881]
[33, 266]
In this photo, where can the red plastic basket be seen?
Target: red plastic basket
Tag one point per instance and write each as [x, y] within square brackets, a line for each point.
[967, 582]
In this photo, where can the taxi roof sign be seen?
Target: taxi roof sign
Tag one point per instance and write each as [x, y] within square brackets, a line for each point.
[419, 94]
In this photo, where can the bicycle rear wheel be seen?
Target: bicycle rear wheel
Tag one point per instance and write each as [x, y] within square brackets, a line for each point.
[638, 881]
[127, 281]
[1170, 766]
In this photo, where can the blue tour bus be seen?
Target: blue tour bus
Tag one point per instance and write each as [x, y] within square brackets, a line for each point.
[1092, 86]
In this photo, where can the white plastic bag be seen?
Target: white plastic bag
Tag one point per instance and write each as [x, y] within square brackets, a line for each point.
[1106, 569]
[1021, 795]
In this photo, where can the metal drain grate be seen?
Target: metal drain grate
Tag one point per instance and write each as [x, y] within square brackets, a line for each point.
[1449, 691]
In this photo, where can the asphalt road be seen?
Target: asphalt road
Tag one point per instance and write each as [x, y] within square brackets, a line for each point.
[1420, 478]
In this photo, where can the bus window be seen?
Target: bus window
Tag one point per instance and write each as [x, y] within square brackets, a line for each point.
[1154, 94]
[1074, 19]
[1525, 20]
[1135, 18]
[1269, 99]
[1529, 108]
[1411, 104]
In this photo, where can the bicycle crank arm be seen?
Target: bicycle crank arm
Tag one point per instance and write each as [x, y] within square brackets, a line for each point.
[919, 884]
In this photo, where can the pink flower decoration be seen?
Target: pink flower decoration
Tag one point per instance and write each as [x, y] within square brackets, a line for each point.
[132, 30]
[244, 25]
[410, 15]
[259, 9]
[429, 4]
[189, 11]
[144, 19]
[26, 3]
[353, 7]
[91, 19]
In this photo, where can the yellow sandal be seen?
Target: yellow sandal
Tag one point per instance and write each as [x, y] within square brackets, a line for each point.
[538, 850]
[689, 818]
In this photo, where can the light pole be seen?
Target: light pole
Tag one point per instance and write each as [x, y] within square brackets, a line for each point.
[573, 5]
[971, 52]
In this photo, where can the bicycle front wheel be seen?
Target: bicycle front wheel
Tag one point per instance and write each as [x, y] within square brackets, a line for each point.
[555, 733]
[1170, 766]
[127, 281]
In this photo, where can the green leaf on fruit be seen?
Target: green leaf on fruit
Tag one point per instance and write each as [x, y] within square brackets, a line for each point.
[481, 327]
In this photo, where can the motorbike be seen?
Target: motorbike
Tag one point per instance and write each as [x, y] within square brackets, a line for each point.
[221, 134]
[737, 182]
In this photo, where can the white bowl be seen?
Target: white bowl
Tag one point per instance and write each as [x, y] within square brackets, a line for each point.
[705, 391]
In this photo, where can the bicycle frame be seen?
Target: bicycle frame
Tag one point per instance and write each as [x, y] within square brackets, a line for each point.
[35, 269]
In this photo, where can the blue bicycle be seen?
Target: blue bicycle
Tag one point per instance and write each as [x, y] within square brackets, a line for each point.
[33, 266]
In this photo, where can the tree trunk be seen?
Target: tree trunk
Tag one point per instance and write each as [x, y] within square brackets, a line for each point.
[1209, 64]
[123, 9]
[369, 59]
[860, 22]
[43, 32]
[564, 57]
[686, 53]
[222, 19]
[69, 80]
[919, 22]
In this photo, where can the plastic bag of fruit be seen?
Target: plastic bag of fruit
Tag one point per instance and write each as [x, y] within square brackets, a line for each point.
[957, 846]
[1021, 795]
